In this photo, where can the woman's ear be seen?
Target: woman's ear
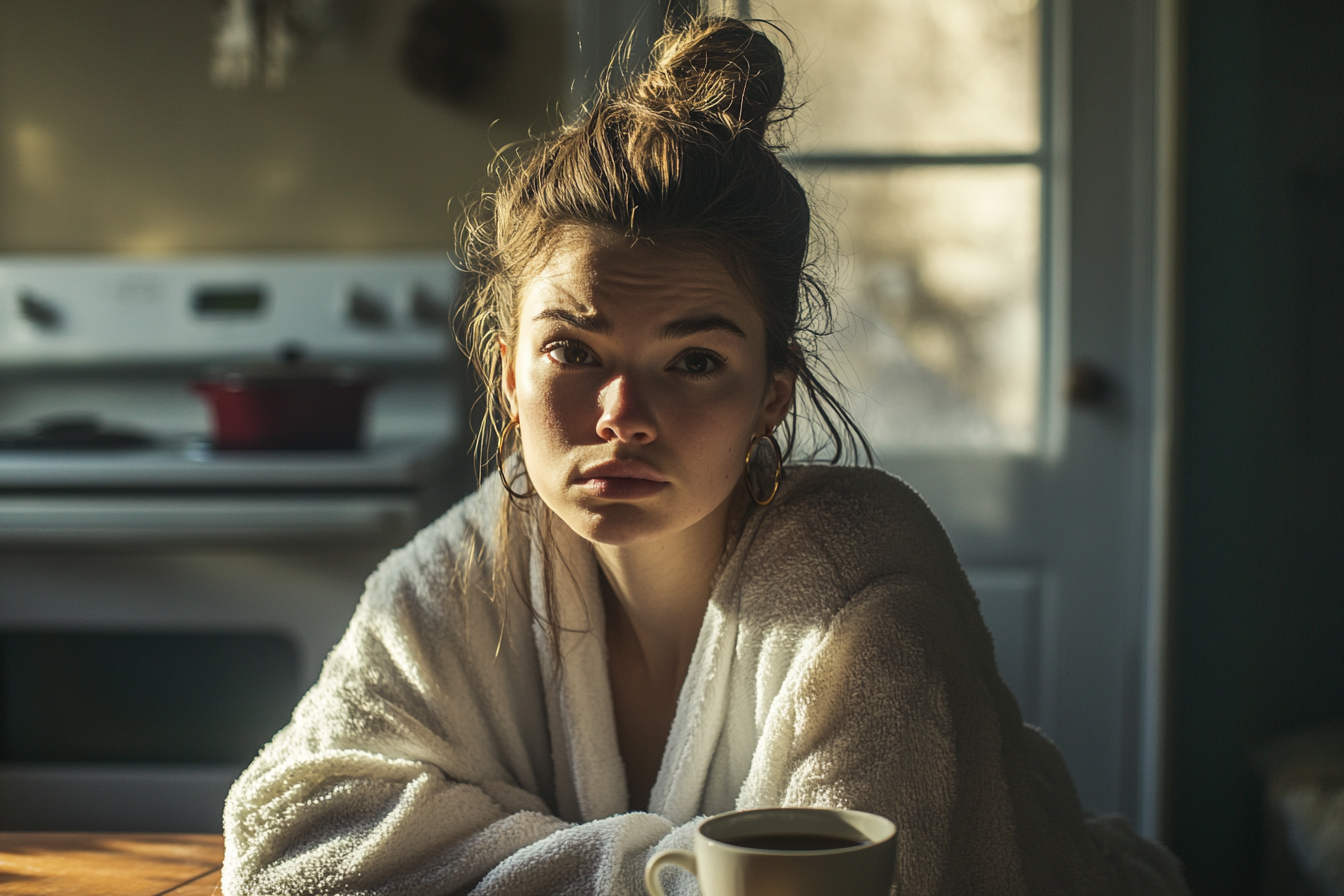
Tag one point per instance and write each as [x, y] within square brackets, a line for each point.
[778, 398]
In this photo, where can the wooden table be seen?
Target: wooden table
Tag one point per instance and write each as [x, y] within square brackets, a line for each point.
[110, 864]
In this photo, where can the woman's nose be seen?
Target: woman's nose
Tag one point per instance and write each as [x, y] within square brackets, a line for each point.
[626, 415]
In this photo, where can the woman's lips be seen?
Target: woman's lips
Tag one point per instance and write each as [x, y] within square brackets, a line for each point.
[621, 487]
[621, 480]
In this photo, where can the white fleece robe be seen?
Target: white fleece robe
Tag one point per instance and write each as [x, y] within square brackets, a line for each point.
[842, 662]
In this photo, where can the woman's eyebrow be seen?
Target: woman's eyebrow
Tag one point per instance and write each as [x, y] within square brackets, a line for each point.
[689, 326]
[593, 323]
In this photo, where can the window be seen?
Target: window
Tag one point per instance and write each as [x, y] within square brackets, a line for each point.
[924, 141]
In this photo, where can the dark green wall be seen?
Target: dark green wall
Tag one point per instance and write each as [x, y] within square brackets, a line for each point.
[1258, 597]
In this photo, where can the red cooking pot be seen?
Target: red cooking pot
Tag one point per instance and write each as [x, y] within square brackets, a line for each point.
[290, 404]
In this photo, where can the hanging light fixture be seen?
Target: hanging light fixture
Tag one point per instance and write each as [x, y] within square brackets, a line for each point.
[235, 44]
[258, 40]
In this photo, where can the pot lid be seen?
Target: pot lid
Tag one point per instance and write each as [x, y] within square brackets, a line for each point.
[290, 366]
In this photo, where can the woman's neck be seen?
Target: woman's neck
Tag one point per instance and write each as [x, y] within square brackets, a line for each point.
[658, 590]
[655, 595]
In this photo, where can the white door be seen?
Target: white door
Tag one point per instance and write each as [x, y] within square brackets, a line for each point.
[995, 175]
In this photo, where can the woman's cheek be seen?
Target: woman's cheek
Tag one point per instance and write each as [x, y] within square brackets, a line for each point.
[717, 431]
[563, 406]
[552, 419]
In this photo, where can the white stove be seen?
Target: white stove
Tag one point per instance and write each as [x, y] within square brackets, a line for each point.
[182, 567]
[117, 342]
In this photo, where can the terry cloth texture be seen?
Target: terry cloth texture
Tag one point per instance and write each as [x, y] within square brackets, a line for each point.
[842, 662]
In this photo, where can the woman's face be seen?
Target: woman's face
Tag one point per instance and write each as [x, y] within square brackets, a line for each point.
[638, 381]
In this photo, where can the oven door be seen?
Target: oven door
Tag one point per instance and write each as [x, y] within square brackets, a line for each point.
[150, 644]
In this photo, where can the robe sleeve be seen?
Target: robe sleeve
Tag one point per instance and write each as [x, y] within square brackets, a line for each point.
[420, 762]
[898, 710]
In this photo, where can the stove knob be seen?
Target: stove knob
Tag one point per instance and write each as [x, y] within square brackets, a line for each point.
[365, 308]
[428, 309]
[38, 311]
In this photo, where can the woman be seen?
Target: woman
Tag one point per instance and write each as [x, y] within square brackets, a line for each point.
[628, 629]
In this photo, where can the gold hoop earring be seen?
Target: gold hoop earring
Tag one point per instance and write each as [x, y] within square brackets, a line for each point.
[779, 470]
[500, 461]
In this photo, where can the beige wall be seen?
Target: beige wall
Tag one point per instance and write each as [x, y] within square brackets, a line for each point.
[112, 138]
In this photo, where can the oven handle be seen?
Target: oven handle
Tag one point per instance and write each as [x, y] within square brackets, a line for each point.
[196, 518]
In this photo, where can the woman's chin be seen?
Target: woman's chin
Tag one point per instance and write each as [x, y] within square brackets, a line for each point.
[649, 518]
[618, 524]
[615, 523]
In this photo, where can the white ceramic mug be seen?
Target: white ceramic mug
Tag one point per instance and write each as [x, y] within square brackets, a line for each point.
[786, 852]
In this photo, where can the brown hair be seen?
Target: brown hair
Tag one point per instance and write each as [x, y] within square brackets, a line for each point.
[681, 154]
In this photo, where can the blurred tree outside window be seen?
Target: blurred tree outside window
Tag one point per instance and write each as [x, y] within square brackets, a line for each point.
[920, 140]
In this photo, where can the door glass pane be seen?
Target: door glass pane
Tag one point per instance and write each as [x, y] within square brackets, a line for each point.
[914, 75]
[940, 335]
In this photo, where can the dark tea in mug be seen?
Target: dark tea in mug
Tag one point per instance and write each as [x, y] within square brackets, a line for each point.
[796, 842]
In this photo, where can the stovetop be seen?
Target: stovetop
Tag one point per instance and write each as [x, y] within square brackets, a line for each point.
[73, 433]
[97, 354]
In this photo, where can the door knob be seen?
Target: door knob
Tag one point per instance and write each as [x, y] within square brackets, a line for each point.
[1088, 385]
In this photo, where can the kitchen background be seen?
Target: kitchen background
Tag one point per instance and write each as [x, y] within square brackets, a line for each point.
[166, 218]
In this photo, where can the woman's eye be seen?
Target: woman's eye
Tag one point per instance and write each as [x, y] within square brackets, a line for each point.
[570, 353]
[698, 363]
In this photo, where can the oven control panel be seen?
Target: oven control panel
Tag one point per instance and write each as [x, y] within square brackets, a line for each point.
[90, 311]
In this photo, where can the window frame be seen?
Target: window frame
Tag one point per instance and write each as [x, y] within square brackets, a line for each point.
[1050, 158]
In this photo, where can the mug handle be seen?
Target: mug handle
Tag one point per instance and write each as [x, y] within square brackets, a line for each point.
[680, 857]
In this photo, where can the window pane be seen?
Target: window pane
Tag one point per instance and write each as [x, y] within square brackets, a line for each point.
[941, 345]
[915, 75]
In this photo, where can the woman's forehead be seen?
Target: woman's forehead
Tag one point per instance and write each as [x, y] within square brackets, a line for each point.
[604, 273]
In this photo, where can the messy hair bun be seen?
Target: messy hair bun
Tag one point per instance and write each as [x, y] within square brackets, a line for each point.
[680, 154]
[722, 70]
